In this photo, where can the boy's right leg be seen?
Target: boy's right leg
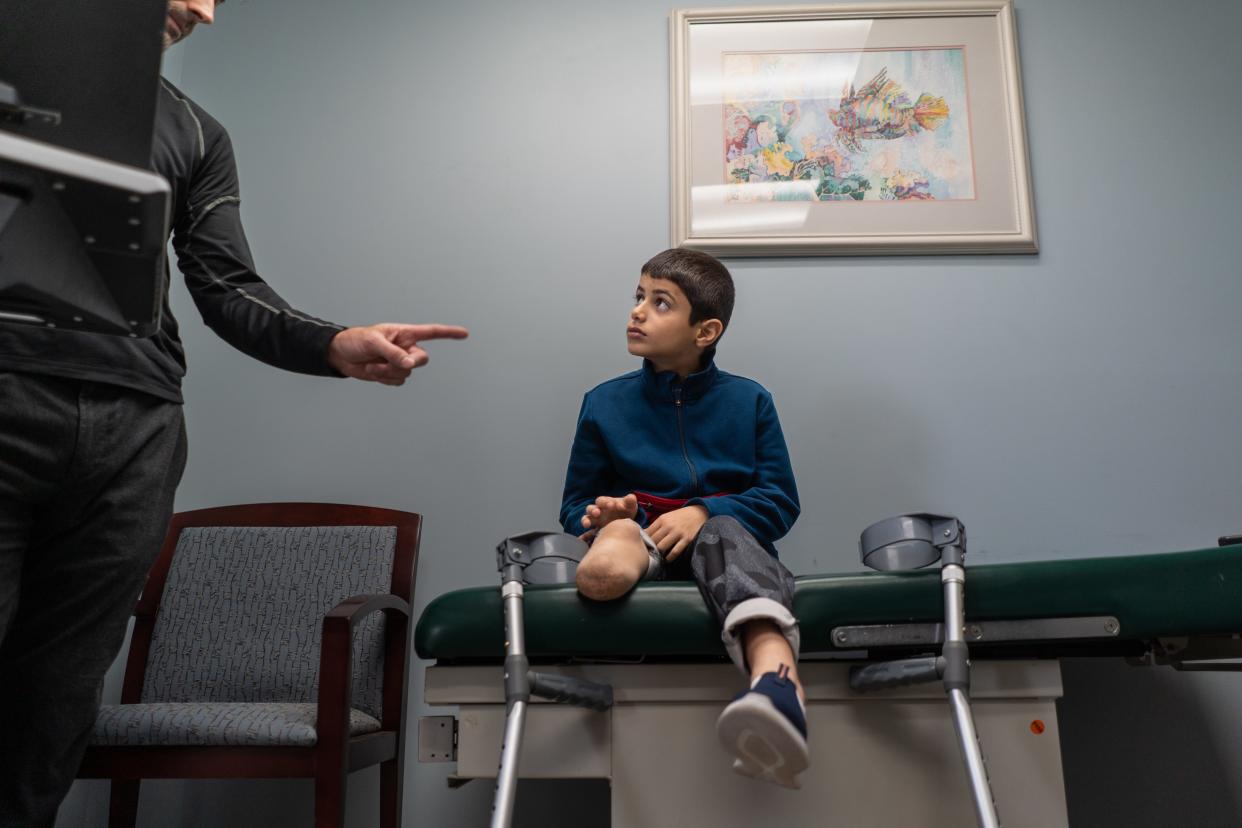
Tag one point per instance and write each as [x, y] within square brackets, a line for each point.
[617, 560]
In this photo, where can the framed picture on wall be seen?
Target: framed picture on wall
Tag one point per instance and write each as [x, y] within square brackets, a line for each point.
[878, 128]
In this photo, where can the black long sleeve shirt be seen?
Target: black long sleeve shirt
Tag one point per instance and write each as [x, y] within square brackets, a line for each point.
[193, 152]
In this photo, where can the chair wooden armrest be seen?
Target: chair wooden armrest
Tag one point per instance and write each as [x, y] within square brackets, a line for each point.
[336, 677]
[336, 659]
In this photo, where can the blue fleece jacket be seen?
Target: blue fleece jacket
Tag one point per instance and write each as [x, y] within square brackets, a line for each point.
[711, 433]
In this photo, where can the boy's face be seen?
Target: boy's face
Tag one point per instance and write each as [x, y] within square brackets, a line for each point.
[659, 327]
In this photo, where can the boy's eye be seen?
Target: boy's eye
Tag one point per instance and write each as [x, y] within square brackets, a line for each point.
[662, 304]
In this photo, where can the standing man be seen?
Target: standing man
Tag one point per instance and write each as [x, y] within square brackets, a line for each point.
[92, 446]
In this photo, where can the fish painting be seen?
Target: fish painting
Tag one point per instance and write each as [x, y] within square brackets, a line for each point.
[882, 110]
[789, 132]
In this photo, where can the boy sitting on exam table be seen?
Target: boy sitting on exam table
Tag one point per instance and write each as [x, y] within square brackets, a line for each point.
[679, 471]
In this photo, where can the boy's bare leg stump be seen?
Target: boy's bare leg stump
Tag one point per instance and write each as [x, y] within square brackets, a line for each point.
[616, 561]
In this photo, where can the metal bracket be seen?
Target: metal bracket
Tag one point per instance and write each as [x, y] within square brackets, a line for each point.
[984, 632]
[1216, 653]
[437, 738]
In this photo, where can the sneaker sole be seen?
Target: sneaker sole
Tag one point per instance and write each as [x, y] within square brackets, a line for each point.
[765, 745]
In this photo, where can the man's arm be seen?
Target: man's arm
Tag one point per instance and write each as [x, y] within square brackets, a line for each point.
[246, 312]
[770, 506]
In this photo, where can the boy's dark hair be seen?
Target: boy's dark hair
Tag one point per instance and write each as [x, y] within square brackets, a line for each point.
[704, 280]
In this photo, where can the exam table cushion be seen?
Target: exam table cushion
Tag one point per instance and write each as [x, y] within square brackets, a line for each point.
[1167, 594]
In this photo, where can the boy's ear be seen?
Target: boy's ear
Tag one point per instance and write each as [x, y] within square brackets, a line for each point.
[709, 331]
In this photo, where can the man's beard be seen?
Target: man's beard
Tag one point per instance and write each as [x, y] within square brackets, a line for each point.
[169, 37]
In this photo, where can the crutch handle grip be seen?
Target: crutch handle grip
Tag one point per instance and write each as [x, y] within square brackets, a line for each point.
[569, 690]
[896, 673]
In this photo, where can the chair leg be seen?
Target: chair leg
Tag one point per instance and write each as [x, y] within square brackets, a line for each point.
[330, 800]
[390, 793]
[123, 803]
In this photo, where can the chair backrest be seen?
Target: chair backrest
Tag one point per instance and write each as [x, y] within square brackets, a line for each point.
[241, 609]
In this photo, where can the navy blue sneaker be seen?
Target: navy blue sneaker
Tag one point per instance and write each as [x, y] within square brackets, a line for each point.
[765, 731]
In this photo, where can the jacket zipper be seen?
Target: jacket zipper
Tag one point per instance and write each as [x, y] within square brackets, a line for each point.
[681, 432]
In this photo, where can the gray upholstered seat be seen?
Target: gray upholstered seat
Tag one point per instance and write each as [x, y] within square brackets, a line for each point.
[235, 649]
[216, 723]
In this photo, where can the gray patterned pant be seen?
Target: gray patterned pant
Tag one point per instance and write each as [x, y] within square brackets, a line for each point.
[87, 475]
[738, 579]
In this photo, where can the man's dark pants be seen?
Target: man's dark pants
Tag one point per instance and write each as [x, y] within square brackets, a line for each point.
[87, 477]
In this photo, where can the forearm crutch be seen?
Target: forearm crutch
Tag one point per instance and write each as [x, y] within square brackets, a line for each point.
[533, 558]
[912, 542]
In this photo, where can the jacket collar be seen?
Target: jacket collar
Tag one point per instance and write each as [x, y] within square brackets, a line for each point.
[664, 385]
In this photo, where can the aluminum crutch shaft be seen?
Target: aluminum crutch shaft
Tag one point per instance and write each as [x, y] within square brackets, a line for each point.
[517, 695]
[957, 682]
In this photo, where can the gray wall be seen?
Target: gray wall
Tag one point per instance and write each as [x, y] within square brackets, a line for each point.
[505, 166]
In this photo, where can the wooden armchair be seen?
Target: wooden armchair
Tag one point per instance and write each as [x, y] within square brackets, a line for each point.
[221, 680]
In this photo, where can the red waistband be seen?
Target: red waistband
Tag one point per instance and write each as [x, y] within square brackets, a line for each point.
[655, 505]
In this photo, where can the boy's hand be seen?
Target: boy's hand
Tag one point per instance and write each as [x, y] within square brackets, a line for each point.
[675, 530]
[607, 509]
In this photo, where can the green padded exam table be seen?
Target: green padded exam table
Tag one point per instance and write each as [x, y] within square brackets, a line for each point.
[885, 758]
